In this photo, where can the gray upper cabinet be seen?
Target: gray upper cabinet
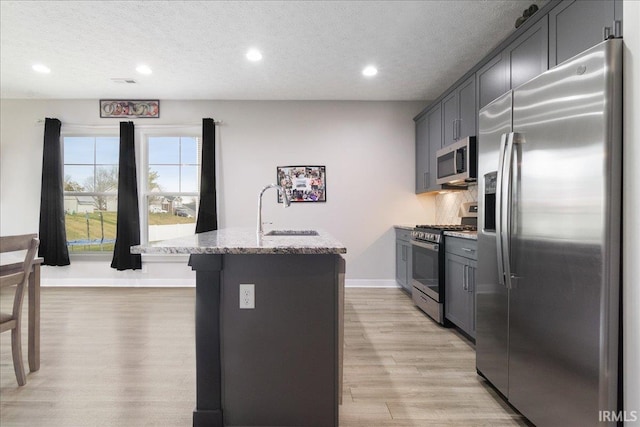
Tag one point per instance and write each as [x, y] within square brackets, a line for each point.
[449, 118]
[467, 106]
[492, 80]
[435, 143]
[422, 154]
[525, 58]
[575, 26]
[428, 141]
[459, 112]
[557, 32]
[528, 55]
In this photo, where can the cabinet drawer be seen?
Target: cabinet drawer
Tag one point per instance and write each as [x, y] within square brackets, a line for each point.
[403, 234]
[462, 247]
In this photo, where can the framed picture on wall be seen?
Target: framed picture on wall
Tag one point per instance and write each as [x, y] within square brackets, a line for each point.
[134, 108]
[303, 183]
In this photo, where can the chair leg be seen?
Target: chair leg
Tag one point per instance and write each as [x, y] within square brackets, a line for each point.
[16, 352]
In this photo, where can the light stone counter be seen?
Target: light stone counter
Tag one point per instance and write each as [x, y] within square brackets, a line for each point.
[244, 241]
[471, 235]
[404, 227]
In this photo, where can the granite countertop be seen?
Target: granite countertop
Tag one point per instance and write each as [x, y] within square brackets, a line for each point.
[405, 227]
[471, 235]
[244, 241]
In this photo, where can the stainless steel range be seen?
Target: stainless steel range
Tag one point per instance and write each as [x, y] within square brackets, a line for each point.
[427, 276]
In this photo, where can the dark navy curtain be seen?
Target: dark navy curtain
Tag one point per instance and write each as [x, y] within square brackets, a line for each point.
[52, 233]
[128, 220]
[208, 209]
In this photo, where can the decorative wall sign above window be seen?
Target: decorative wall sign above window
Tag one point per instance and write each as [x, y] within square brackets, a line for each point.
[303, 183]
[135, 108]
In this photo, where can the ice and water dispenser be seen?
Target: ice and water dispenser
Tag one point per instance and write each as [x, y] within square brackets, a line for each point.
[489, 218]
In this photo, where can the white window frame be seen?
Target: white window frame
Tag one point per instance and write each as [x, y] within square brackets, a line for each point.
[88, 133]
[143, 168]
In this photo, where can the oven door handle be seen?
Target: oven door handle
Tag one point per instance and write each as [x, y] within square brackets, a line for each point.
[431, 246]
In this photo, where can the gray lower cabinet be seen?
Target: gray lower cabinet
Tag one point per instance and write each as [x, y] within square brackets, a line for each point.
[575, 26]
[403, 258]
[460, 280]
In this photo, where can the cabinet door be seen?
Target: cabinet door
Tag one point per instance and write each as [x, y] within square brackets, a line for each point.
[409, 257]
[471, 288]
[467, 107]
[492, 80]
[435, 143]
[575, 26]
[456, 297]
[401, 263]
[422, 155]
[449, 118]
[528, 55]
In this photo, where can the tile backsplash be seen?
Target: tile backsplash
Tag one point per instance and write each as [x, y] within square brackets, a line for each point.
[448, 204]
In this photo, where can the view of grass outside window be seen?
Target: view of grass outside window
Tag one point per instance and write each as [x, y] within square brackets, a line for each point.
[90, 192]
[173, 182]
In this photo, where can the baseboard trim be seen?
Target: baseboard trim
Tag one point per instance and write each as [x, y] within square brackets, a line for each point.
[119, 283]
[370, 283]
[181, 283]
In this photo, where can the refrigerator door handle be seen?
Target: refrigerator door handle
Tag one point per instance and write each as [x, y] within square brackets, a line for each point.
[513, 138]
[499, 184]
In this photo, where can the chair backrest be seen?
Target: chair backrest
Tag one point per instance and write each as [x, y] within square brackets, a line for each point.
[20, 275]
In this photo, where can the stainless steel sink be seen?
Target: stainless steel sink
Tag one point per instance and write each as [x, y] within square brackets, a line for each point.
[292, 233]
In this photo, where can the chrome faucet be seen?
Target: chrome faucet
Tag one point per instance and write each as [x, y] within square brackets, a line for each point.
[285, 199]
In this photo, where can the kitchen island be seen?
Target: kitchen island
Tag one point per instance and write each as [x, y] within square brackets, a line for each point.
[278, 363]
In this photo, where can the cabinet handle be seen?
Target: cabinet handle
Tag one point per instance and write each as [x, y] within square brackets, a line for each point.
[459, 128]
[468, 250]
[606, 33]
[455, 137]
[470, 286]
[404, 253]
[617, 29]
[465, 283]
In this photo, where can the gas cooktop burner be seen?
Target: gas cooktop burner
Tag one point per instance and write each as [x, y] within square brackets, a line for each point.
[449, 227]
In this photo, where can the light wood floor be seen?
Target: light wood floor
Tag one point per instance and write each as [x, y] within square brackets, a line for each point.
[125, 357]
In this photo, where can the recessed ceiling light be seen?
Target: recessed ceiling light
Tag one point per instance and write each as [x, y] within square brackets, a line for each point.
[41, 68]
[370, 71]
[254, 55]
[143, 69]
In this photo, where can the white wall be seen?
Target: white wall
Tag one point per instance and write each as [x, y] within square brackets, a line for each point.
[367, 148]
[631, 197]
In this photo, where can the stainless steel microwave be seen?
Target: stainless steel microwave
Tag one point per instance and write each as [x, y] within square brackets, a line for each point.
[457, 163]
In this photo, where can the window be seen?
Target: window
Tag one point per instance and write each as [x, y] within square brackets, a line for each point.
[90, 192]
[172, 187]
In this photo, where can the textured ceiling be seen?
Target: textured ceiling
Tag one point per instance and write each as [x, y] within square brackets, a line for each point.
[311, 49]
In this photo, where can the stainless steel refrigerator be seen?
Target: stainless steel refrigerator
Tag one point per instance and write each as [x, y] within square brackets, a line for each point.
[549, 236]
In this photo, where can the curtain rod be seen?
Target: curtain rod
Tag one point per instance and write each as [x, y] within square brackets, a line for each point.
[114, 125]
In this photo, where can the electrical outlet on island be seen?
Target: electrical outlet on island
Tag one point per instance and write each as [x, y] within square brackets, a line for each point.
[247, 296]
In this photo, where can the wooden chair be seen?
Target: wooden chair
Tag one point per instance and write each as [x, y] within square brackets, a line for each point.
[18, 277]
